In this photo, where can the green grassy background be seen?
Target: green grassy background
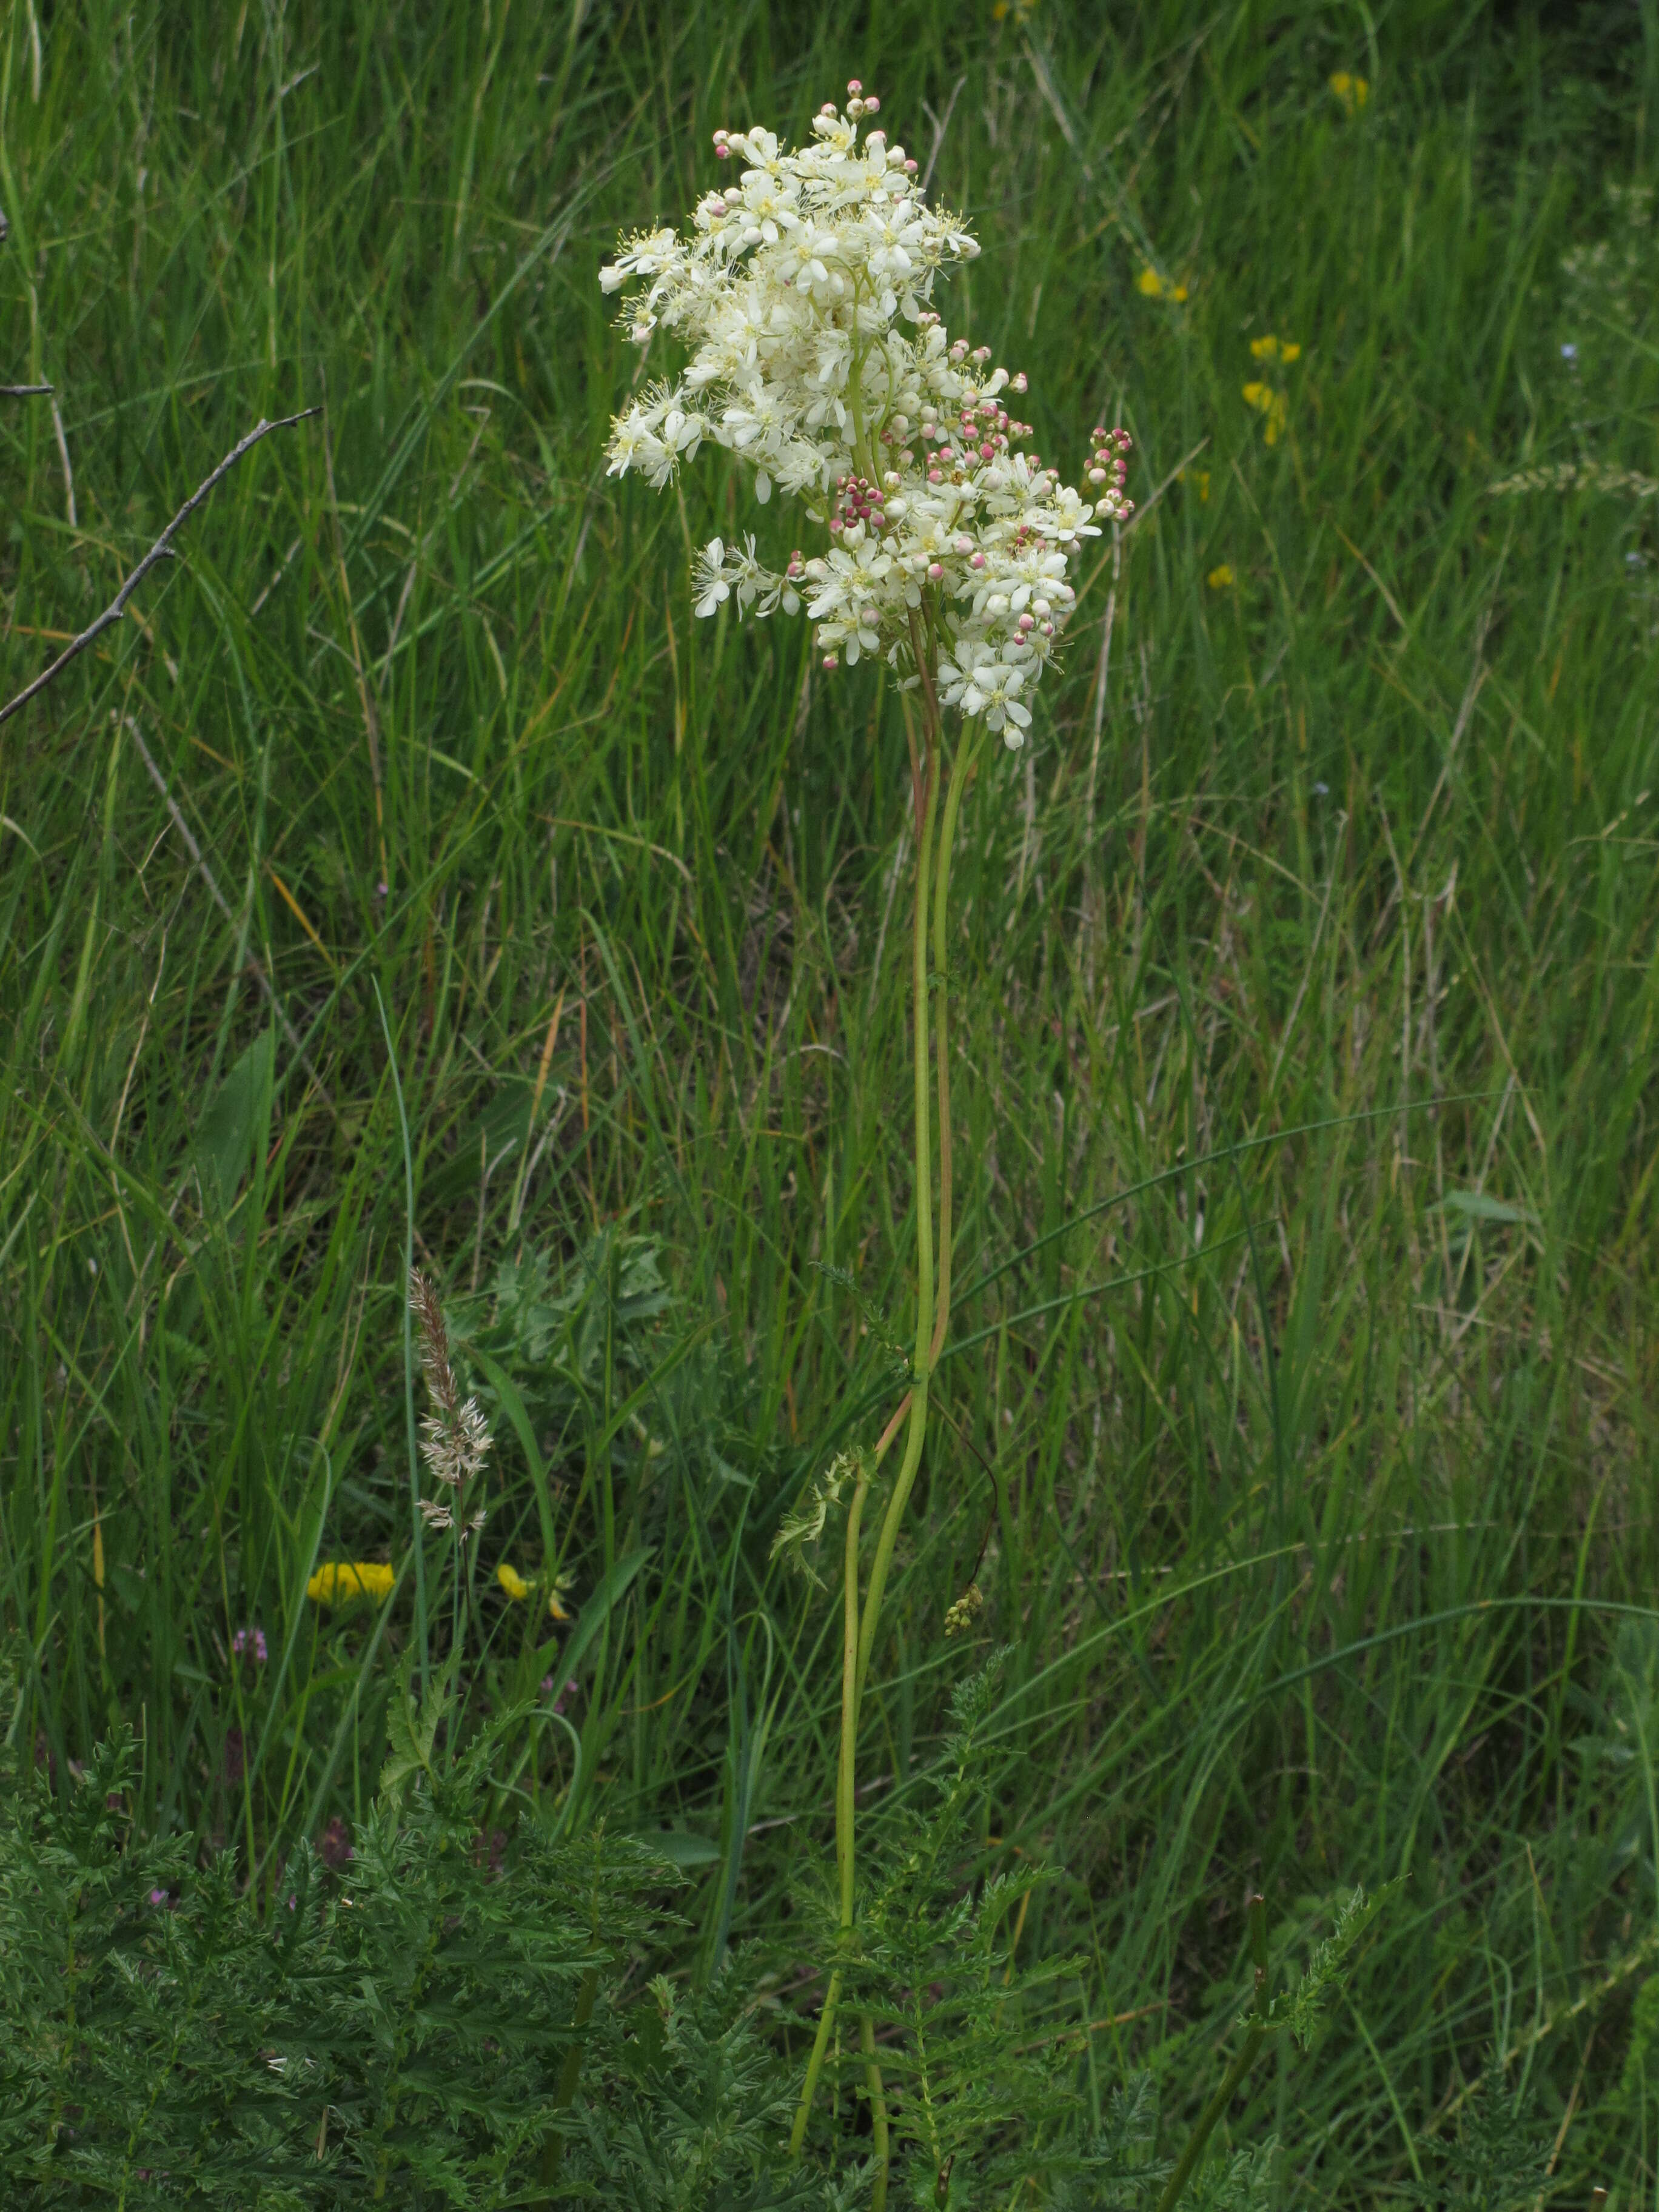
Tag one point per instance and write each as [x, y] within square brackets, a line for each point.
[1300, 1425]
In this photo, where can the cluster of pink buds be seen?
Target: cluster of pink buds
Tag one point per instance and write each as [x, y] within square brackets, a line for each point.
[861, 501]
[859, 101]
[722, 150]
[1108, 464]
[796, 568]
[250, 1643]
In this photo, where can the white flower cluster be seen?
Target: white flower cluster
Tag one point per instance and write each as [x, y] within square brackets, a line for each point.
[948, 543]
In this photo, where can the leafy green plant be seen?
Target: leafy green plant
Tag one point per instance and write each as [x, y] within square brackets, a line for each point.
[407, 2029]
[450, 2015]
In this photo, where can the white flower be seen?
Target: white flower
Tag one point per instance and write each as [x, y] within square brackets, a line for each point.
[712, 587]
[801, 290]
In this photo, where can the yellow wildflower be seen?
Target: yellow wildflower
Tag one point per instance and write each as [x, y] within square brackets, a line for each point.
[1272, 349]
[342, 1582]
[1219, 578]
[1351, 91]
[518, 1589]
[1266, 401]
[1157, 288]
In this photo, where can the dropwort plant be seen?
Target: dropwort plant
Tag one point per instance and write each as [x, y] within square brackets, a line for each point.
[805, 289]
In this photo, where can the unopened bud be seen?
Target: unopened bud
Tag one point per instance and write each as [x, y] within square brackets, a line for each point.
[935, 571]
[854, 84]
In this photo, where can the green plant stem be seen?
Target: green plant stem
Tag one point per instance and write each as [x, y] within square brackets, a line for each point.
[962, 769]
[893, 1517]
[845, 1771]
[569, 2073]
[815, 2065]
[878, 2113]
[844, 1806]
[1185, 2165]
[859, 1623]
[1248, 2054]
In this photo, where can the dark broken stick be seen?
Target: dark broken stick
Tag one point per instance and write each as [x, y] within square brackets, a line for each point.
[161, 551]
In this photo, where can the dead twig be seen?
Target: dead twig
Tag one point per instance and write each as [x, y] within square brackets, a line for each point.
[161, 551]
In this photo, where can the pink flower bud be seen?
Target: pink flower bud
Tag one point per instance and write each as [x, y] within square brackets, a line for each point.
[964, 545]
[835, 523]
[720, 137]
[722, 153]
[872, 106]
[935, 476]
[854, 84]
[830, 661]
[978, 560]
[1047, 629]
[935, 571]
[1028, 622]
[910, 168]
[1020, 384]
[828, 108]
[988, 451]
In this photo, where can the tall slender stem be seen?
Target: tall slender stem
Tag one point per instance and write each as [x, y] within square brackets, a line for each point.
[893, 1517]
[878, 2113]
[845, 1780]
[846, 1777]
[961, 769]
[935, 839]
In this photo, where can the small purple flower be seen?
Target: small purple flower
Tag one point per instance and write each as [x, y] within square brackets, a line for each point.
[249, 1641]
[158, 1896]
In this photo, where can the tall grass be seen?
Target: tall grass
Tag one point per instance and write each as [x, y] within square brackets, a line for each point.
[1301, 1389]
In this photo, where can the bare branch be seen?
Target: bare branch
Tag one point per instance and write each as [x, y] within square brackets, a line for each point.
[161, 551]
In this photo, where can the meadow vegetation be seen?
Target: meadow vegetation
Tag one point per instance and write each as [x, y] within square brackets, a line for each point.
[409, 880]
